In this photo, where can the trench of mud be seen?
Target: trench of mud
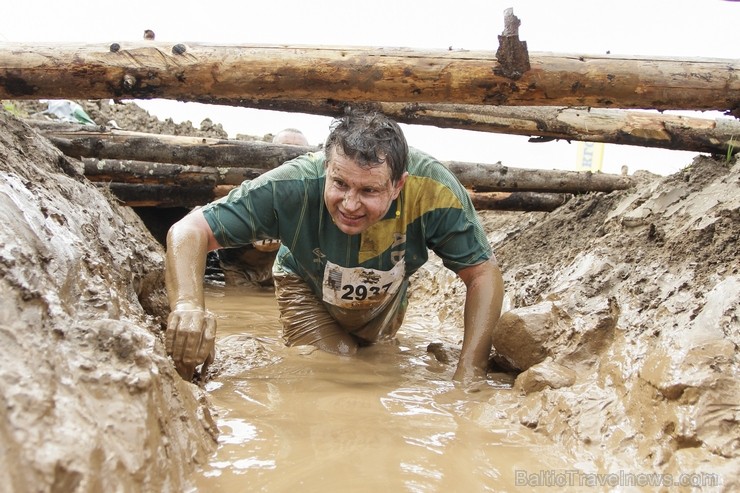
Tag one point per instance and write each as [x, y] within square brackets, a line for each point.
[389, 418]
[622, 316]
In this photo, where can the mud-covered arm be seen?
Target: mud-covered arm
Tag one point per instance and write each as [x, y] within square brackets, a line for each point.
[483, 300]
[191, 330]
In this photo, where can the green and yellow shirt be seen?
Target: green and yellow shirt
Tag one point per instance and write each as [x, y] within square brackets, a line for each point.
[287, 203]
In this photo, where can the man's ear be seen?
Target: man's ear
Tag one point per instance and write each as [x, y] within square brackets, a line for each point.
[398, 186]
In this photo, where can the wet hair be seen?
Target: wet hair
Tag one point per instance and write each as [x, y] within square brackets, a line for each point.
[370, 139]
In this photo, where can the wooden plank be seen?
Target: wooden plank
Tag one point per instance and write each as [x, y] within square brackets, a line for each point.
[169, 195]
[610, 126]
[477, 176]
[227, 74]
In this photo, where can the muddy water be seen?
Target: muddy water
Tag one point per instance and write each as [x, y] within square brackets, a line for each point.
[388, 419]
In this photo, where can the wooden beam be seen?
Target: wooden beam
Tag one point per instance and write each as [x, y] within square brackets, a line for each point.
[121, 153]
[228, 74]
[519, 201]
[610, 126]
[478, 177]
[168, 195]
[499, 178]
[142, 172]
[145, 195]
[80, 141]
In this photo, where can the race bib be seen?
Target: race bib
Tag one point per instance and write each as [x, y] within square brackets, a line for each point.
[361, 288]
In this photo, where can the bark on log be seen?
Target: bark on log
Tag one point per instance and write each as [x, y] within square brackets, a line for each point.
[228, 74]
[478, 177]
[610, 126]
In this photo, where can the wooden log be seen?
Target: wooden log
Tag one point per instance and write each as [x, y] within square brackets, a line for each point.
[499, 178]
[610, 126]
[478, 177]
[142, 172]
[168, 195]
[519, 201]
[145, 195]
[80, 141]
[227, 74]
[192, 151]
[676, 132]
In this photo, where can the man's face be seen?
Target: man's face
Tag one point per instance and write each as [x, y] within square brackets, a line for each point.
[358, 197]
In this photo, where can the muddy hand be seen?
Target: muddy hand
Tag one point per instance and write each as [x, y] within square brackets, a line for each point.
[190, 339]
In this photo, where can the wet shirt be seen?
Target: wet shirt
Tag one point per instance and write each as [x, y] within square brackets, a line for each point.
[362, 271]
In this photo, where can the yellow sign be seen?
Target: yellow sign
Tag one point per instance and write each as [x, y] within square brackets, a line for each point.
[590, 156]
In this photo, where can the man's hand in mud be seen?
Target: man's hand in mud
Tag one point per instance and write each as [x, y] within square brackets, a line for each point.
[190, 339]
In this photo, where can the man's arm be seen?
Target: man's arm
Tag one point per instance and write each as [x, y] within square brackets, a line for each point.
[483, 300]
[191, 330]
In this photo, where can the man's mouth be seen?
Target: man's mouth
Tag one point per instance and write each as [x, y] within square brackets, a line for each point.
[350, 218]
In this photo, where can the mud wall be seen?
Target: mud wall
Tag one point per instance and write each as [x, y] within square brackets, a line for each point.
[622, 322]
[91, 402]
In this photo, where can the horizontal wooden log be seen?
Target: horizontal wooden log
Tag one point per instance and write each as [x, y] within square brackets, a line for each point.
[142, 172]
[162, 195]
[80, 141]
[479, 177]
[190, 151]
[610, 126]
[145, 195]
[227, 74]
[499, 178]
[519, 201]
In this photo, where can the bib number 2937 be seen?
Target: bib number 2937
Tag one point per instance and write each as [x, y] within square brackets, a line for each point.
[350, 286]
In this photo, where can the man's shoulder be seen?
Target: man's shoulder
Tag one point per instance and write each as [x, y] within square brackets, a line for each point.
[422, 163]
[426, 166]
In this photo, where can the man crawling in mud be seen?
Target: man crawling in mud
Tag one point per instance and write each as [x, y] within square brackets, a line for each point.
[355, 222]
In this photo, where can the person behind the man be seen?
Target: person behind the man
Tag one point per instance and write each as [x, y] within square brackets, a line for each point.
[355, 222]
[290, 136]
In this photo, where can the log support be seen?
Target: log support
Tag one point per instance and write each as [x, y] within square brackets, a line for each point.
[229, 74]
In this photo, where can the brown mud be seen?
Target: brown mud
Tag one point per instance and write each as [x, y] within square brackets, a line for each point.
[388, 419]
[619, 344]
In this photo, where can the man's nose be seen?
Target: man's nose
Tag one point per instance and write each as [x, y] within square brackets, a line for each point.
[351, 200]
